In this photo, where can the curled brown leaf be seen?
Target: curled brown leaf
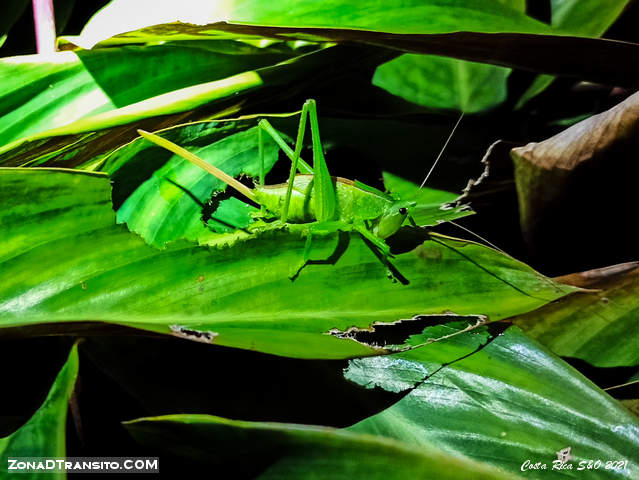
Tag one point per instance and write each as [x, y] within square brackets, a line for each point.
[578, 187]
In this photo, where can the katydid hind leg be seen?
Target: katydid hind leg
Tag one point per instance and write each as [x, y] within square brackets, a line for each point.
[262, 177]
[322, 184]
[299, 142]
[325, 199]
[260, 149]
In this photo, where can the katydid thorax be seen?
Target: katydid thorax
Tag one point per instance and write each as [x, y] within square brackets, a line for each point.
[311, 196]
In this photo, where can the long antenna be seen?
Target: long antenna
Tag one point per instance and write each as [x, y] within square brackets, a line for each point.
[442, 150]
[433, 168]
[431, 171]
[478, 236]
[191, 157]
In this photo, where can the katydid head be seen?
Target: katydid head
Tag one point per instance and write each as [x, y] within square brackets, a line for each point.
[392, 219]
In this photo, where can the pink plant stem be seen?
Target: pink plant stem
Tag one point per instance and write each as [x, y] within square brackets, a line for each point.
[44, 21]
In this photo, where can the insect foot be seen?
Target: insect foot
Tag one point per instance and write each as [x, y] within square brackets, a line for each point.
[391, 276]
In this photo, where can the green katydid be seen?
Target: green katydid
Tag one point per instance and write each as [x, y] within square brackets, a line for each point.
[326, 203]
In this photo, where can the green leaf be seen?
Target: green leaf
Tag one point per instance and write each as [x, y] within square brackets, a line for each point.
[280, 450]
[428, 16]
[396, 16]
[64, 259]
[589, 58]
[586, 17]
[457, 28]
[432, 204]
[445, 83]
[598, 327]
[44, 434]
[39, 94]
[502, 399]
[86, 141]
[162, 196]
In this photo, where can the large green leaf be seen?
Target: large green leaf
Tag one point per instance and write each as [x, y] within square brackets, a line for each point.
[605, 320]
[39, 94]
[500, 398]
[162, 196]
[280, 450]
[396, 16]
[473, 30]
[87, 141]
[440, 82]
[44, 433]
[565, 55]
[430, 16]
[65, 260]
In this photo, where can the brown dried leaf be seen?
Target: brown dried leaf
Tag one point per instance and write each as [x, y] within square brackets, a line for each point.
[578, 186]
[598, 277]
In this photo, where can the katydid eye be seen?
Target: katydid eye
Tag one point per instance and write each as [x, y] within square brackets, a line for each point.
[403, 211]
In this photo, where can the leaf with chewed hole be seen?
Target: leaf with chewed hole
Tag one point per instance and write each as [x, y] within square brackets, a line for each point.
[163, 197]
[65, 260]
[500, 398]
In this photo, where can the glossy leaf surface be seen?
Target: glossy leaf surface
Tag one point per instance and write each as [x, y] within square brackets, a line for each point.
[39, 94]
[90, 269]
[500, 398]
[445, 83]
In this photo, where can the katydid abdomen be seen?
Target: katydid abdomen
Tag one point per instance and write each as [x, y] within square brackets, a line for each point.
[355, 203]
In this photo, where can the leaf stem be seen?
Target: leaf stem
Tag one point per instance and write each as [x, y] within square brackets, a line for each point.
[44, 22]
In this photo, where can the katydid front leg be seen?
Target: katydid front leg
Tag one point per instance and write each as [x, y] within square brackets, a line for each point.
[266, 126]
[378, 242]
[382, 251]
